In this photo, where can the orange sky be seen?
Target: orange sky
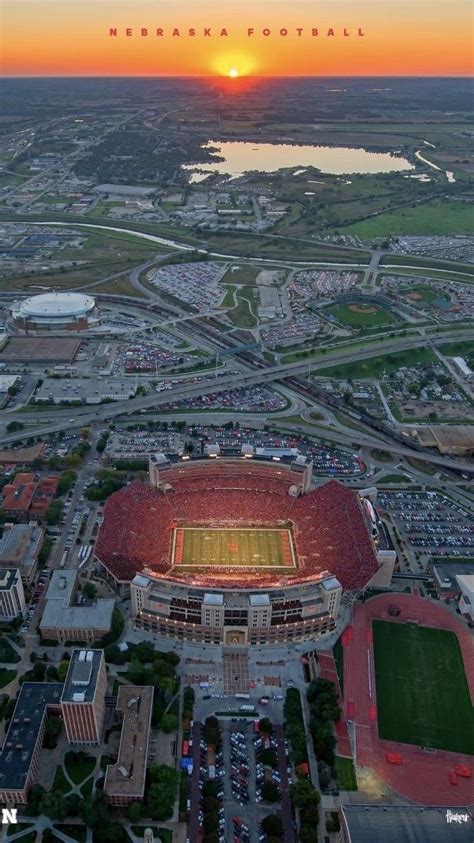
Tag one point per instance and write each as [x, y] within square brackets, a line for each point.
[71, 37]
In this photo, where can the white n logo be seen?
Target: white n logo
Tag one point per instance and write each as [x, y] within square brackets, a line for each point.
[9, 816]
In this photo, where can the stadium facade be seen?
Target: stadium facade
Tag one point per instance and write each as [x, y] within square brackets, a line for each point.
[54, 312]
[191, 547]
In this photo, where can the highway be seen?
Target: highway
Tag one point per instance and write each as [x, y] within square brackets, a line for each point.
[76, 417]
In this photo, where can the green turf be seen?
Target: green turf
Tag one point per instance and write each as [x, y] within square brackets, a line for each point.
[422, 692]
[366, 319]
[346, 777]
[427, 294]
[234, 548]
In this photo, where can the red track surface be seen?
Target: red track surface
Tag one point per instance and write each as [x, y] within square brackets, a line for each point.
[328, 671]
[423, 777]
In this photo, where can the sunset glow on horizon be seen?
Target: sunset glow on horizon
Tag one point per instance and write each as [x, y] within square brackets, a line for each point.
[234, 39]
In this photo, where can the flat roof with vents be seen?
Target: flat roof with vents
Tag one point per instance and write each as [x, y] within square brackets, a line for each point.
[81, 679]
[25, 726]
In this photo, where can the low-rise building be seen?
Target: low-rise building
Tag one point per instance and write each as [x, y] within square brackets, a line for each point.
[19, 757]
[125, 780]
[466, 600]
[12, 596]
[83, 697]
[19, 548]
[63, 620]
[405, 824]
[84, 390]
[28, 496]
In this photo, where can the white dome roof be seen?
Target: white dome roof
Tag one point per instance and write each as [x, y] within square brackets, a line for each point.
[51, 305]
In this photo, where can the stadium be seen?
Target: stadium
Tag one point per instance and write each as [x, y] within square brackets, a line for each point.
[238, 549]
[49, 312]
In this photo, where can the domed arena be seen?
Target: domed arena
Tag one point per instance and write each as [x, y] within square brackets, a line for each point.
[239, 550]
[50, 312]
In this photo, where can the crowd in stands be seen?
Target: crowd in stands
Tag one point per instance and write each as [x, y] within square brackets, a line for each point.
[328, 524]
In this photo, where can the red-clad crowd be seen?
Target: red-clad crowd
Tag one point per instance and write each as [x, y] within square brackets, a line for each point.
[328, 523]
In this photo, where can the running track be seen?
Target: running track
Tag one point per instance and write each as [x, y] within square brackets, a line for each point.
[423, 777]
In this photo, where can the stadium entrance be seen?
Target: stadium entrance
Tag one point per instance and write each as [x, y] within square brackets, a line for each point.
[236, 637]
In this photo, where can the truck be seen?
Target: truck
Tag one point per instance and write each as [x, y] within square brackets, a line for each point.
[248, 708]
[242, 696]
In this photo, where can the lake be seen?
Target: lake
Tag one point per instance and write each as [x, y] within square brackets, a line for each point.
[242, 157]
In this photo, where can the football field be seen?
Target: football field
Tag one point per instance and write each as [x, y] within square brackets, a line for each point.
[196, 547]
[422, 692]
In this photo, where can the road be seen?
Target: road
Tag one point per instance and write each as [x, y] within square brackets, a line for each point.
[75, 417]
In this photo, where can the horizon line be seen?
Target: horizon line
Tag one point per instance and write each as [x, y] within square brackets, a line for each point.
[249, 76]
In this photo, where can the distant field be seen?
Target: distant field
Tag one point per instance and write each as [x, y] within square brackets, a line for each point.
[432, 218]
[423, 292]
[359, 315]
[374, 367]
[233, 548]
[422, 692]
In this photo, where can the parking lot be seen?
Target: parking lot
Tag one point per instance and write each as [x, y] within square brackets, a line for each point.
[430, 521]
[243, 765]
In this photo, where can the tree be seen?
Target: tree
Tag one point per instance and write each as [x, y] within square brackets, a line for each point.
[34, 800]
[268, 757]
[304, 794]
[272, 825]
[169, 723]
[54, 805]
[270, 792]
[95, 811]
[54, 512]
[14, 426]
[135, 812]
[63, 668]
[265, 726]
[162, 792]
[85, 433]
[89, 590]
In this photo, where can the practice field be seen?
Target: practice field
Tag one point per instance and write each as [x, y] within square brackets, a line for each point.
[196, 547]
[422, 693]
[361, 315]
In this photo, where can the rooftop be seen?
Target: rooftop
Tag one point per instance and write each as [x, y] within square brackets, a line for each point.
[81, 679]
[40, 350]
[28, 492]
[8, 576]
[127, 776]
[20, 741]
[59, 614]
[19, 544]
[406, 824]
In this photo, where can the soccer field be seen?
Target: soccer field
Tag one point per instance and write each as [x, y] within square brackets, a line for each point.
[422, 692]
[233, 548]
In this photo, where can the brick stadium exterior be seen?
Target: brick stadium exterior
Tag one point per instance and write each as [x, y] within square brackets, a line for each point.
[333, 529]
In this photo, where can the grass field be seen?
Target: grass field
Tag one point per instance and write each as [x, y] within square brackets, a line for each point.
[422, 692]
[375, 367]
[435, 217]
[346, 776]
[365, 316]
[424, 292]
[234, 548]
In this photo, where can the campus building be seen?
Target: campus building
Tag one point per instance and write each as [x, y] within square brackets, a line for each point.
[12, 596]
[19, 548]
[28, 496]
[69, 616]
[83, 697]
[19, 757]
[125, 780]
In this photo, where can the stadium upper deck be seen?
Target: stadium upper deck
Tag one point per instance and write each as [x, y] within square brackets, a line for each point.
[330, 525]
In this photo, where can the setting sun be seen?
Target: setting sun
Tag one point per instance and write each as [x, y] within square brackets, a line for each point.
[233, 73]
